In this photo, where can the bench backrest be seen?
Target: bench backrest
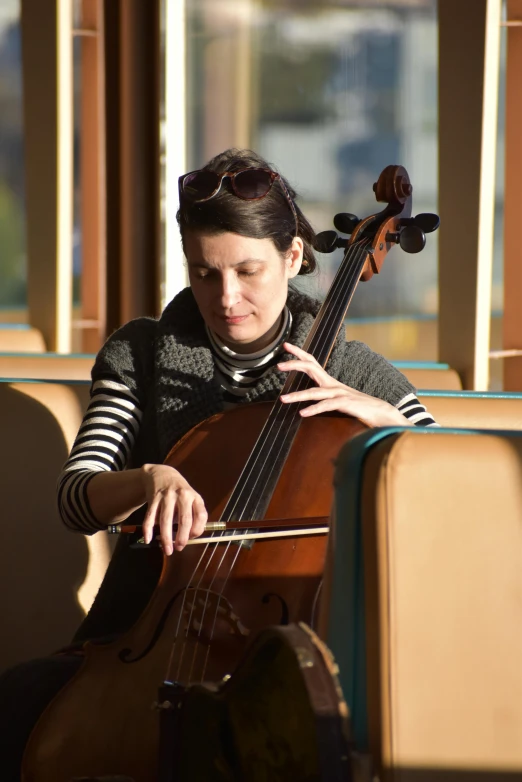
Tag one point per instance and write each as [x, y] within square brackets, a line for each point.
[430, 375]
[426, 600]
[46, 366]
[48, 575]
[475, 410]
[55, 366]
[20, 337]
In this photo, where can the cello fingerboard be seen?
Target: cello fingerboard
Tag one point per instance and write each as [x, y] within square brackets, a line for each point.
[255, 487]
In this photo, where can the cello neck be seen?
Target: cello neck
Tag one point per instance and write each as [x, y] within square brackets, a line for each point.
[330, 318]
[253, 491]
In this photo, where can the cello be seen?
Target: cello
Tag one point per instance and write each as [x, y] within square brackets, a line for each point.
[260, 564]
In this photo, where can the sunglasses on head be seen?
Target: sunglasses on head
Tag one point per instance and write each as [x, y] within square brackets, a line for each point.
[250, 184]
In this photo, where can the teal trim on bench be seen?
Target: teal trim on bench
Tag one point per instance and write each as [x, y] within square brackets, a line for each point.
[474, 394]
[45, 380]
[420, 316]
[15, 326]
[419, 365]
[10, 354]
[346, 631]
[390, 319]
[46, 354]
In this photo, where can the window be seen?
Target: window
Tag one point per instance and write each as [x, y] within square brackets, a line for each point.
[13, 281]
[330, 94]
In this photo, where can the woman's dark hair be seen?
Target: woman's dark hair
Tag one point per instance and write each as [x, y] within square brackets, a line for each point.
[269, 217]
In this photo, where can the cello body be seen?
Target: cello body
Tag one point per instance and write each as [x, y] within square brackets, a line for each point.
[209, 601]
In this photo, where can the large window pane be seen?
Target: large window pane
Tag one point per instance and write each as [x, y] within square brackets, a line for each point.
[330, 93]
[13, 288]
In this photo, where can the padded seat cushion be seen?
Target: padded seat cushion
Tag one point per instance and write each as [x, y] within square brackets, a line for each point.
[48, 576]
[428, 555]
[47, 366]
[476, 411]
[433, 379]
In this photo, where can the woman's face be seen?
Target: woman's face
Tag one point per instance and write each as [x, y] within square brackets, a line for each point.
[240, 285]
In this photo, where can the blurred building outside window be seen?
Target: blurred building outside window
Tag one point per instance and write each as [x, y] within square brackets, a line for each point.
[13, 275]
[330, 94]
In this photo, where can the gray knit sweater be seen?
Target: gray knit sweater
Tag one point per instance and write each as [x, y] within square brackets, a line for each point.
[168, 365]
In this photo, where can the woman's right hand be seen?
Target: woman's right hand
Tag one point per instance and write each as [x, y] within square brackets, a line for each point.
[171, 499]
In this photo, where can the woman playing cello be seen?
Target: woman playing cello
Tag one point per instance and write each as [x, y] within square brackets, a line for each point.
[228, 339]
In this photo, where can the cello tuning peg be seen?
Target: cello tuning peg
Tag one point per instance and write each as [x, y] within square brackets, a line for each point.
[427, 222]
[345, 222]
[412, 239]
[328, 241]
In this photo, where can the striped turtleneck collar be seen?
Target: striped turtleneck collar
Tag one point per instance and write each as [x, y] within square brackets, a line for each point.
[238, 372]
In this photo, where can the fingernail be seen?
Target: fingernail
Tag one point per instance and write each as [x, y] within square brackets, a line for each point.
[167, 549]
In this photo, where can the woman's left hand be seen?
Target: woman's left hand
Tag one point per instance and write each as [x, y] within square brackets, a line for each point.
[330, 394]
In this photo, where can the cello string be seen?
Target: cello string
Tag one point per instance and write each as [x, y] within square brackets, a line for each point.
[219, 596]
[324, 326]
[336, 292]
[182, 609]
[276, 417]
[276, 450]
[216, 612]
[193, 576]
[304, 381]
[285, 414]
[197, 588]
[317, 344]
[339, 283]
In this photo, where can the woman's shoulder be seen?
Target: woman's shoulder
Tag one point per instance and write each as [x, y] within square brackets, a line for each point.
[130, 338]
[127, 354]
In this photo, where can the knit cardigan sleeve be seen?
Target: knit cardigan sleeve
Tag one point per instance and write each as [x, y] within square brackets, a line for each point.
[112, 421]
[372, 374]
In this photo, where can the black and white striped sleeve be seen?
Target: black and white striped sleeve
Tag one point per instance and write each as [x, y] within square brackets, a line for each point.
[415, 412]
[104, 443]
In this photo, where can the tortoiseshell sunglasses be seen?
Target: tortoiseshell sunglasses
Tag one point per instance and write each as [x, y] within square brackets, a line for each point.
[250, 184]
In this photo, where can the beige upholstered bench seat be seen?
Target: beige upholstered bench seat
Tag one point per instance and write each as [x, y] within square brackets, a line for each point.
[475, 410]
[425, 609]
[21, 338]
[57, 366]
[48, 575]
[46, 366]
[431, 376]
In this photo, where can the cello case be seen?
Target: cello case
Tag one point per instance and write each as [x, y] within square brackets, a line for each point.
[281, 717]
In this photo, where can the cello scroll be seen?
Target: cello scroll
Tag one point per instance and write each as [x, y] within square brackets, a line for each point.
[393, 225]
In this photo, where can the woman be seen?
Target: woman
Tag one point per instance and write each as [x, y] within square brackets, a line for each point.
[230, 338]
